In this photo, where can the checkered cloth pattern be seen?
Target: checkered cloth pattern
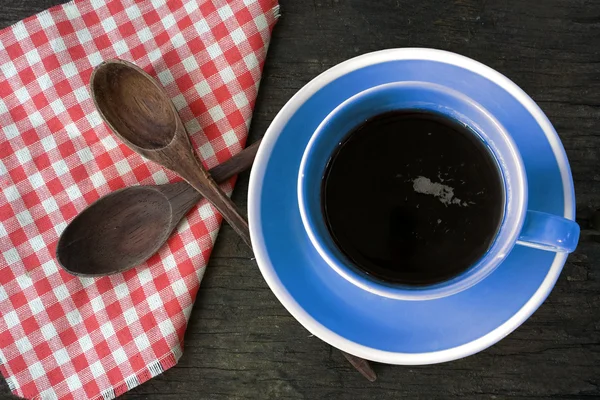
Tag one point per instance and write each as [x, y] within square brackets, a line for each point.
[63, 336]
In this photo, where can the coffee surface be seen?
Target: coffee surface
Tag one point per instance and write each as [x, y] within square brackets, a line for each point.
[412, 197]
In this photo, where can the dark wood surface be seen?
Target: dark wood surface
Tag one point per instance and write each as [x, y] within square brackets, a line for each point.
[242, 344]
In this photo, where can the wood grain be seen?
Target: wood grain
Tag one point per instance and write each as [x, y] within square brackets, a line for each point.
[242, 344]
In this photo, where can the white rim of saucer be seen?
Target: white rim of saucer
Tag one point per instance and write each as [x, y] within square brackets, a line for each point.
[258, 173]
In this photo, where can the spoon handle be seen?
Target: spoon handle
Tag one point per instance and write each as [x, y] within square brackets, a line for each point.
[228, 209]
[192, 171]
[183, 196]
[361, 366]
[236, 164]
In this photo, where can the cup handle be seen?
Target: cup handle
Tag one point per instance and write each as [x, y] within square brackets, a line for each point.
[549, 232]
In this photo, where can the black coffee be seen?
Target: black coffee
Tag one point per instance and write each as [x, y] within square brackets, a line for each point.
[413, 197]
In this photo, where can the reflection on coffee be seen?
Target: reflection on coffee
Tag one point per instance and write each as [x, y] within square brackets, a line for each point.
[413, 197]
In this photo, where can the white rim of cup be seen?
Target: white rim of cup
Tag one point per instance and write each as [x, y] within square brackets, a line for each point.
[254, 200]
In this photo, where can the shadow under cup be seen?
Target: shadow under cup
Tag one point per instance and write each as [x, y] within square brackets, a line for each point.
[423, 97]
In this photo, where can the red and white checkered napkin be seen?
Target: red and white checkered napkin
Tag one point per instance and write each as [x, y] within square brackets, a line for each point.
[67, 337]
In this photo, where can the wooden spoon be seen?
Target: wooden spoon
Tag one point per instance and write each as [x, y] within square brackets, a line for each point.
[124, 228]
[141, 114]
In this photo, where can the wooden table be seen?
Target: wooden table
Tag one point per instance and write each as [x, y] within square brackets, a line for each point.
[242, 344]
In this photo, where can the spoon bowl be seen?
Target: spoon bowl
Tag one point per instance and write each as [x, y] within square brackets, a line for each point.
[135, 106]
[119, 231]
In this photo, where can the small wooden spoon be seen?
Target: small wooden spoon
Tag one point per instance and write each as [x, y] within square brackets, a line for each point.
[140, 113]
[124, 228]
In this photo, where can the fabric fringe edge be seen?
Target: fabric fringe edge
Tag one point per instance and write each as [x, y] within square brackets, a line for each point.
[153, 369]
[276, 11]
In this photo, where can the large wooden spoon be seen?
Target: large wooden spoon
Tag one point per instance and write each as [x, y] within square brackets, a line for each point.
[140, 113]
[124, 228]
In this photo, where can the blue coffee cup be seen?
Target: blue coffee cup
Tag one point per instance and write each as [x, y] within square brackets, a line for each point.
[520, 226]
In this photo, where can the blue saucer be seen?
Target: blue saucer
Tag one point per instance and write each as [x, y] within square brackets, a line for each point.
[383, 329]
